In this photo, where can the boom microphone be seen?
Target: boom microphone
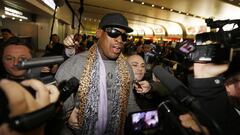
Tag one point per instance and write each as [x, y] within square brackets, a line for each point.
[39, 62]
[180, 92]
[177, 88]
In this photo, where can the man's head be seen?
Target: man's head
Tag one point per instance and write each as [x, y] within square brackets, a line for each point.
[6, 34]
[54, 38]
[232, 76]
[112, 34]
[12, 54]
[138, 66]
[232, 85]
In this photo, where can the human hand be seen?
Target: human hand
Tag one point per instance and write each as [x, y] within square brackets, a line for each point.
[69, 41]
[21, 101]
[208, 70]
[45, 70]
[188, 121]
[142, 87]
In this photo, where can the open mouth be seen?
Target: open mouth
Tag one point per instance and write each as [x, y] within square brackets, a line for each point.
[116, 49]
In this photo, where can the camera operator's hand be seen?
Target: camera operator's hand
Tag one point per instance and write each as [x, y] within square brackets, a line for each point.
[142, 87]
[208, 70]
[188, 121]
[20, 101]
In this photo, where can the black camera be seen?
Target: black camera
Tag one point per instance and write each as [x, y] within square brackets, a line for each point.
[213, 46]
[229, 38]
[209, 53]
[144, 120]
[161, 120]
[28, 121]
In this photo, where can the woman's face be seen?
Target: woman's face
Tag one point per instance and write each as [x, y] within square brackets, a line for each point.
[138, 66]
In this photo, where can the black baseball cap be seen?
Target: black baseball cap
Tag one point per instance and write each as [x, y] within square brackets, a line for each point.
[115, 20]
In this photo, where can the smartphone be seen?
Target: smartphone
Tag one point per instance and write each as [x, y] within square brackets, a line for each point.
[144, 120]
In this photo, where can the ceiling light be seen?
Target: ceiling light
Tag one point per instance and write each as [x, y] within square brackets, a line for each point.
[168, 9]
[3, 16]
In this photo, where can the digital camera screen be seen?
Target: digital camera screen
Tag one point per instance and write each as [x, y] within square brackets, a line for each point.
[144, 120]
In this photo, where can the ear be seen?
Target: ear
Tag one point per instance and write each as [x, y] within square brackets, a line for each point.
[99, 33]
[229, 87]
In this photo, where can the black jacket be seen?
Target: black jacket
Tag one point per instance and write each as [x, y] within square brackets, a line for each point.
[214, 101]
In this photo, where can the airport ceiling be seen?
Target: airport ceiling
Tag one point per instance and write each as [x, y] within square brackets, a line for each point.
[164, 12]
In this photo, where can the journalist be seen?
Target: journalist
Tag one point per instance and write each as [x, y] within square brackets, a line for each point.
[148, 93]
[207, 85]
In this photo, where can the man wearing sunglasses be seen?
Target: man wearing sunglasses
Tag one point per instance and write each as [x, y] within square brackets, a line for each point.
[103, 99]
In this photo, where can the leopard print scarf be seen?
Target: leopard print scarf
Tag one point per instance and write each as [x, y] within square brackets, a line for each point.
[88, 94]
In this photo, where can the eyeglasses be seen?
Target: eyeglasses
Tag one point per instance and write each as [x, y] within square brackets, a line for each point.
[114, 33]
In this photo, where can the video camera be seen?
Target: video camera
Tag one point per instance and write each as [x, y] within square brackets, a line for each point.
[29, 121]
[161, 120]
[213, 46]
[229, 38]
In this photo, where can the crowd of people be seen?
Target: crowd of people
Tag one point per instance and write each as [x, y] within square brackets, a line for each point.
[112, 85]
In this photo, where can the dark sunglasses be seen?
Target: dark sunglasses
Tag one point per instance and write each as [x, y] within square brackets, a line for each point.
[114, 33]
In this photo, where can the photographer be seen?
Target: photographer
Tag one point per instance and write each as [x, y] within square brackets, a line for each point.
[209, 55]
[19, 102]
[207, 86]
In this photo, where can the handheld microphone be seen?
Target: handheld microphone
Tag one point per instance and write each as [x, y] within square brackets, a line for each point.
[38, 62]
[67, 88]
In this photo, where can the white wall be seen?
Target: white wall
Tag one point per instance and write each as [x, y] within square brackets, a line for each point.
[44, 26]
[22, 29]
[44, 23]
